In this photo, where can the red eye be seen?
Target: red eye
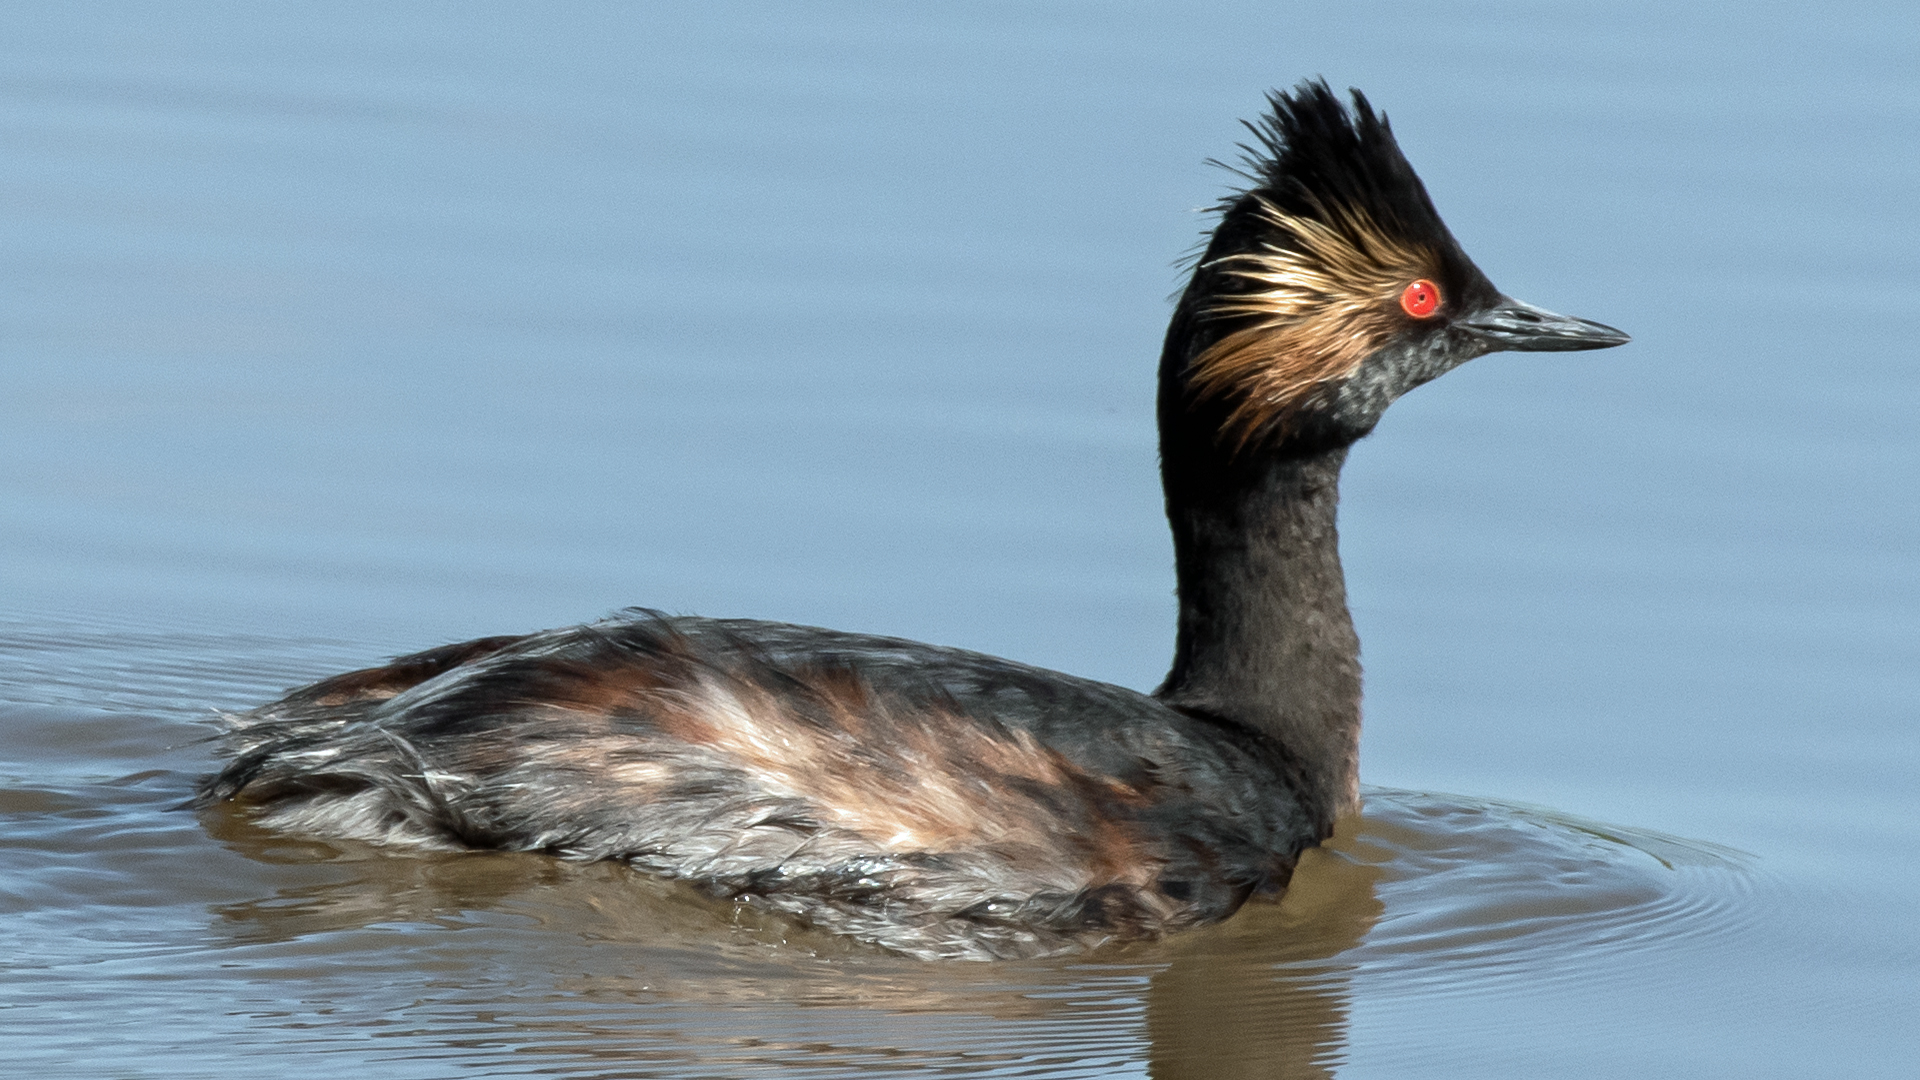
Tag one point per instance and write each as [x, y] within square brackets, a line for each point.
[1421, 299]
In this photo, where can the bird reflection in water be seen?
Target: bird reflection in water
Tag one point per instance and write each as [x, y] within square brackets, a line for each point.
[1265, 994]
[595, 963]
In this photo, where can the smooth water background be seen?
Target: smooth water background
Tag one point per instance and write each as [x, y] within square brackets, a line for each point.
[328, 332]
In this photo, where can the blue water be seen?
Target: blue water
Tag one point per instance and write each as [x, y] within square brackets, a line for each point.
[331, 332]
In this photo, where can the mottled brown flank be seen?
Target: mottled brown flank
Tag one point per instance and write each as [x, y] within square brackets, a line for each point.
[909, 780]
[1324, 295]
[391, 680]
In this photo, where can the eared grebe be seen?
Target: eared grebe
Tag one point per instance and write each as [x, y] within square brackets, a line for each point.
[941, 802]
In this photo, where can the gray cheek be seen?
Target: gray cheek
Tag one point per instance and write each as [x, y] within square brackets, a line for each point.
[1360, 401]
[1429, 359]
[1393, 371]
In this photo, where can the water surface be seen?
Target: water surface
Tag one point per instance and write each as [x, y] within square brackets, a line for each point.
[330, 333]
[210, 941]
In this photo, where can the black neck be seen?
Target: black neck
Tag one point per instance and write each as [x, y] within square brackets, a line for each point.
[1265, 638]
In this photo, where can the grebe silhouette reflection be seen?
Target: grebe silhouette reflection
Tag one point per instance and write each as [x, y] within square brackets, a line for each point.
[594, 962]
[589, 963]
[597, 962]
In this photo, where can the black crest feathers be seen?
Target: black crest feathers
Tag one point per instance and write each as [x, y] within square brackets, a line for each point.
[1313, 154]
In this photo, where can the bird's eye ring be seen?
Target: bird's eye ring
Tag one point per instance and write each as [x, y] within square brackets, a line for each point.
[1421, 299]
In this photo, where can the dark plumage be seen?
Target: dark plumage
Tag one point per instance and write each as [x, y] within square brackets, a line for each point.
[941, 802]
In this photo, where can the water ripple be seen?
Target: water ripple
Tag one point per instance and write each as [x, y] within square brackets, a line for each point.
[227, 942]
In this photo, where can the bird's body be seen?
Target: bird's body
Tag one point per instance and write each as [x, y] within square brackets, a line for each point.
[937, 801]
[945, 803]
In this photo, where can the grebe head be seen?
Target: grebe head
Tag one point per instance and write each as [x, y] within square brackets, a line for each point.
[1331, 287]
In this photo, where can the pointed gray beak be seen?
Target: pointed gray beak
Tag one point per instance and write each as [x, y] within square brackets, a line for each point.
[1512, 324]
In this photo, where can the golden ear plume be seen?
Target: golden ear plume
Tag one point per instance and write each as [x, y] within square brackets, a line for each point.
[1323, 297]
